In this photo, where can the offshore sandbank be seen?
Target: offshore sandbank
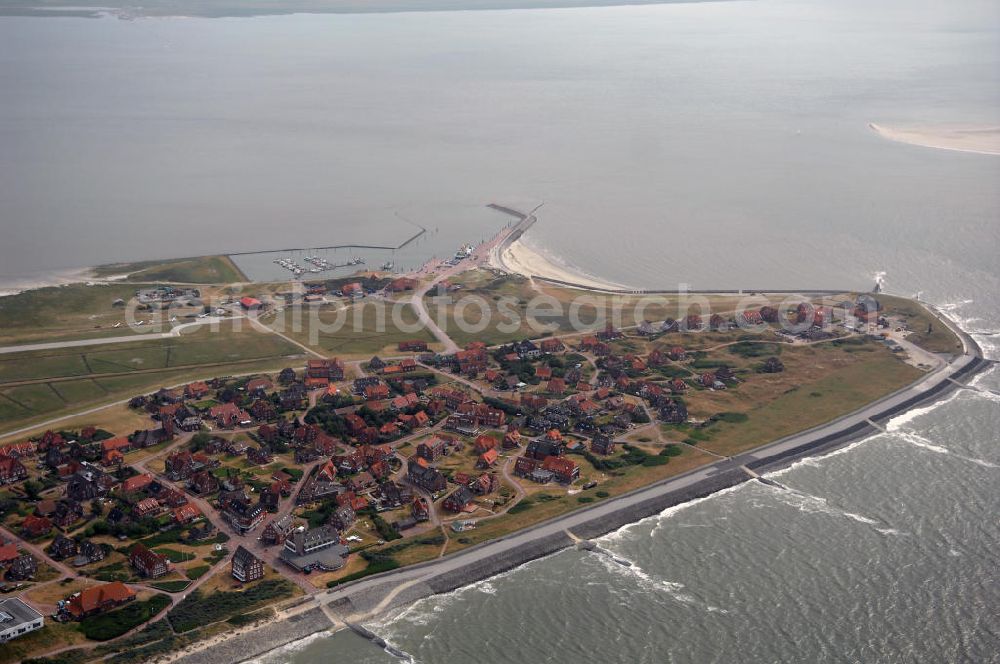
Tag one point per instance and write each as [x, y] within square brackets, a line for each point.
[975, 139]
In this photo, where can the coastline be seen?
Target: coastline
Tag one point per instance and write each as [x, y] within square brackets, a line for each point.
[529, 262]
[972, 139]
[514, 255]
[372, 596]
[16, 285]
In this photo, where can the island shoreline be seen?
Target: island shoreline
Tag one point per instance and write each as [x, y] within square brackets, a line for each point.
[366, 595]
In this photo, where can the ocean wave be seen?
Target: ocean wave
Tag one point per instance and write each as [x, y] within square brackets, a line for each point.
[652, 583]
[282, 654]
[984, 375]
[808, 503]
[896, 423]
[987, 394]
[663, 518]
[952, 306]
[816, 461]
[422, 612]
[924, 443]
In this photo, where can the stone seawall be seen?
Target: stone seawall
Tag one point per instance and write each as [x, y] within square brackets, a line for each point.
[368, 597]
[264, 639]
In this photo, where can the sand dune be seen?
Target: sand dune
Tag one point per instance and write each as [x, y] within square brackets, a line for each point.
[978, 139]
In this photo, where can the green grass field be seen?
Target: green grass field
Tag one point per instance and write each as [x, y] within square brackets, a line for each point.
[70, 378]
[812, 403]
[360, 334]
[60, 313]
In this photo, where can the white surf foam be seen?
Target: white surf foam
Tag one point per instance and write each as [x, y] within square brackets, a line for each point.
[652, 583]
[924, 443]
[424, 611]
[808, 503]
[896, 423]
[663, 518]
[816, 461]
[282, 653]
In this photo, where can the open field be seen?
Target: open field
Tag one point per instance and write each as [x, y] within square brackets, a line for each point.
[197, 270]
[354, 332]
[501, 318]
[61, 313]
[203, 346]
[42, 384]
[819, 384]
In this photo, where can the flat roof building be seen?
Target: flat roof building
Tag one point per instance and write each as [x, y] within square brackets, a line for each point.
[17, 619]
[317, 548]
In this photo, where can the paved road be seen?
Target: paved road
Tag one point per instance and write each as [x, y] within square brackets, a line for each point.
[417, 302]
[497, 548]
[481, 256]
[138, 335]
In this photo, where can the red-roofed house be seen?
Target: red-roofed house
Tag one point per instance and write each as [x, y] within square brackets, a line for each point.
[331, 369]
[565, 470]
[228, 415]
[353, 290]
[121, 444]
[379, 391]
[8, 553]
[11, 470]
[402, 284]
[98, 599]
[17, 450]
[196, 390]
[137, 483]
[556, 386]
[186, 513]
[146, 507]
[484, 443]
[512, 439]
[35, 526]
[487, 458]
[550, 345]
[148, 563]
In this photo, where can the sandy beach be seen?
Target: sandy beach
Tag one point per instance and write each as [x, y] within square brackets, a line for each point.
[977, 139]
[15, 285]
[522, 259]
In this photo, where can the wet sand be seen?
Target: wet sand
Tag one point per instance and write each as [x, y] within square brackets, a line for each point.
[15, 285]
[519, 258]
